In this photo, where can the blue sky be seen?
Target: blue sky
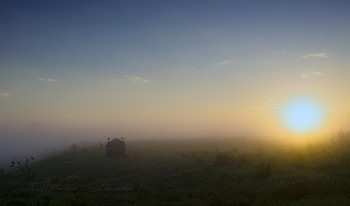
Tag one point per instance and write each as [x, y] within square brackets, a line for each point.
[61, 35]
[170, 65]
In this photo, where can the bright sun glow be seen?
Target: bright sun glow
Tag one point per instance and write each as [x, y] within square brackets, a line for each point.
[303, 115]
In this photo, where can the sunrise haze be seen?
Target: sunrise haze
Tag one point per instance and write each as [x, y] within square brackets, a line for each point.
[168, 69]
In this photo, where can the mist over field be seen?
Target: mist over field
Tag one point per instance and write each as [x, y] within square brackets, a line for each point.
[39, 141]
[225, 102]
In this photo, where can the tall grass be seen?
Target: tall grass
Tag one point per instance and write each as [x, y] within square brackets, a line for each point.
[189, 172]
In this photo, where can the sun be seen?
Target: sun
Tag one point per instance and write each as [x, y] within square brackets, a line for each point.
[303, 115]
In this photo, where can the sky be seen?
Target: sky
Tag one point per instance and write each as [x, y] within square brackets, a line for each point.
[167, 69]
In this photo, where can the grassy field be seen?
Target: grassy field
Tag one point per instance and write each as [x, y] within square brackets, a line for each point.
[186, 172]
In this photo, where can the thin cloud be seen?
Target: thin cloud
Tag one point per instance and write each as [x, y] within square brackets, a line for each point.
[276, 106]
[315, 55]
[4, 94]
[249, 107]
[267, 101]
[232, 48]
[137, 79]
[310, 74]
[223, 63]
[190, 68]
[47, 79]
[271, 103]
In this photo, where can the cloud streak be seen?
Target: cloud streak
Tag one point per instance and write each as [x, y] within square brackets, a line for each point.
[276, 106]
[47, 79]
[310, 74]
[4, 94]
[137, 79]
[223, 63]
[267, 101]
[315, 55]
[190, 68]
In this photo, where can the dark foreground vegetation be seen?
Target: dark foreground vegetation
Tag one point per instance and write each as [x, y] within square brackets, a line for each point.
[185, 172]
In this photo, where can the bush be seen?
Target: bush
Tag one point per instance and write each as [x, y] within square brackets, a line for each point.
[23, 169]
[340, 145]
[2, 172]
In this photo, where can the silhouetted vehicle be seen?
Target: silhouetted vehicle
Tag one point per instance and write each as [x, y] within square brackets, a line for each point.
[116, 147]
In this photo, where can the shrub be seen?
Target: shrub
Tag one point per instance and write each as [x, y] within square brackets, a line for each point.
[74, 147]
[341, 144]
[23, 169]
[2, 172]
